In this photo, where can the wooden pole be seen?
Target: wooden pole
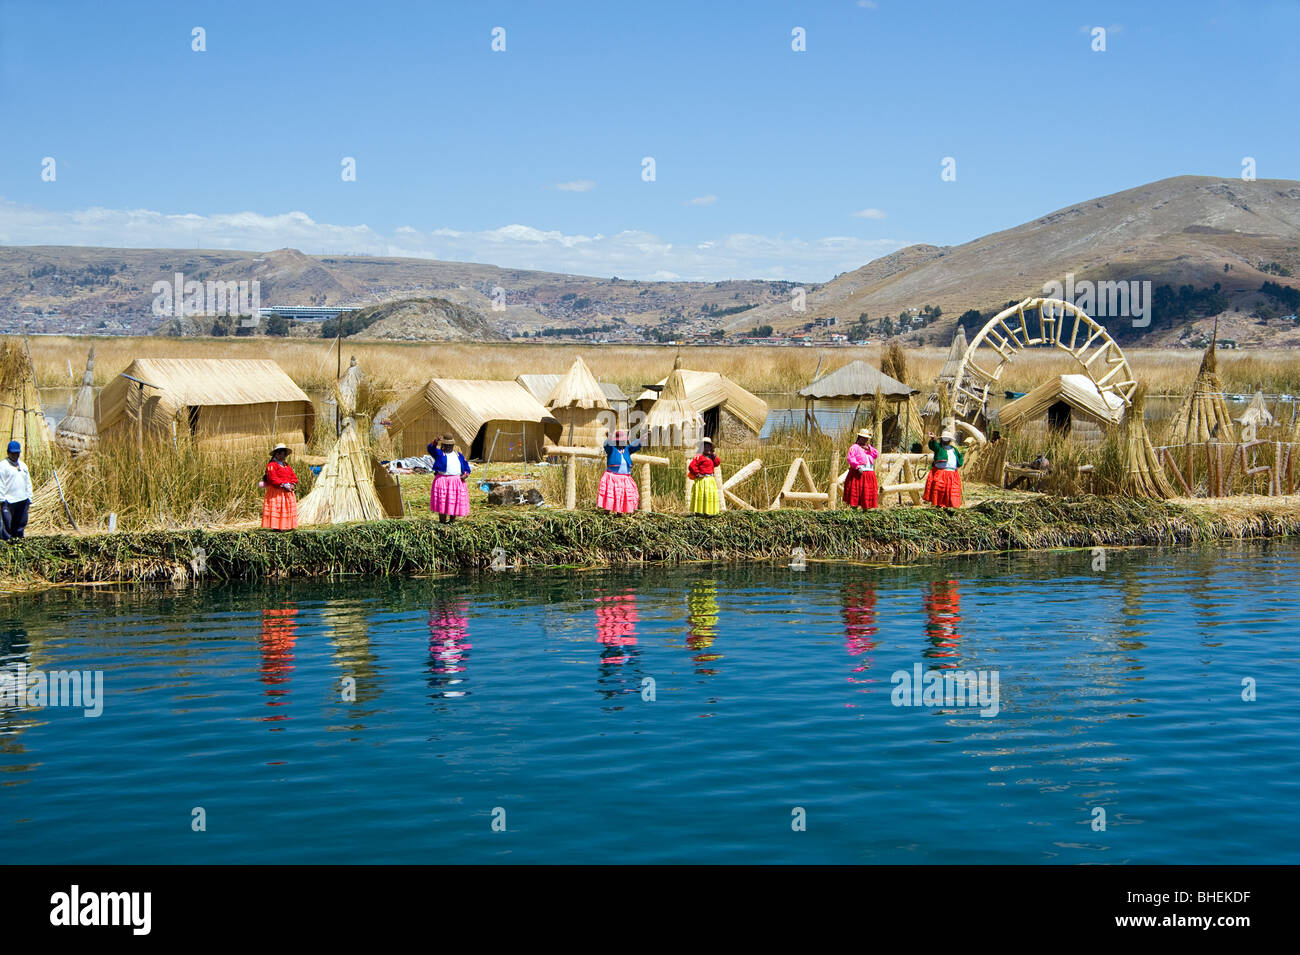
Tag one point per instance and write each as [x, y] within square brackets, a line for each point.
[139, 420]
[645, 488]
[570, 482]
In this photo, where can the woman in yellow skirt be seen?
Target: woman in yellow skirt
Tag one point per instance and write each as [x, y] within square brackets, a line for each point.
[705, 497]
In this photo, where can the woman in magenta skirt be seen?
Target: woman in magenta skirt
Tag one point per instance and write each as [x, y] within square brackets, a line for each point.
[449, 496]
[617, 491]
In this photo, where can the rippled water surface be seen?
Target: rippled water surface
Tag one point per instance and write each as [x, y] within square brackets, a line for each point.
[521, 698]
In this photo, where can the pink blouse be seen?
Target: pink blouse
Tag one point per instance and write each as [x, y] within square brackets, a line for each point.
[860, 457]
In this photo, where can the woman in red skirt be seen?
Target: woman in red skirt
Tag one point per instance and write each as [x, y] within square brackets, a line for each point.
[860, 488]
[943, 484]
[280, 506]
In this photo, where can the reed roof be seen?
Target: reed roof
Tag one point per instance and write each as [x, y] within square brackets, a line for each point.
[705, 390]
[578, 389]
[1077, 391]
[857, 379]
[468, 404]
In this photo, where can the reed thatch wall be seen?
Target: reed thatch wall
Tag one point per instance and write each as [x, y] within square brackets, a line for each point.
[240, 404]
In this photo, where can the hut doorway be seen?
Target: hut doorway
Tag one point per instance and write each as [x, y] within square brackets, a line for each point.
[1058, 417]
[712, 419]
[194, 419]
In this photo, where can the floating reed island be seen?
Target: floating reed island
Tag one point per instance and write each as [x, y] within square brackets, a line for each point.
[509, 539]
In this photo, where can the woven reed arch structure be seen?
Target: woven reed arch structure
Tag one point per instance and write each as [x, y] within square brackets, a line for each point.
[1033, 322]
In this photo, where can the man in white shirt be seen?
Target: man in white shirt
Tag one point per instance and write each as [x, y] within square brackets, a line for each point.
[15, 493]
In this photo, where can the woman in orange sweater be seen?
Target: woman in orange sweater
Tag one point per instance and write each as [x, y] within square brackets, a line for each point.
[280, 506]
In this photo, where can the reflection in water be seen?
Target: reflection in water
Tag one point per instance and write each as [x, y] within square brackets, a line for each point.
[702, 614]
[449, 647]
[279, 633]
[15, 716]
[858, 598]
[616, 621]
[353, 654]
[942, 617]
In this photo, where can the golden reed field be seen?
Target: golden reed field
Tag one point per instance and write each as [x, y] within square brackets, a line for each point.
[312, 363]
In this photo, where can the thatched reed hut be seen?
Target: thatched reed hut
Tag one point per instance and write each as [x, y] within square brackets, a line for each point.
[1203, 414]
[729, 412]
[235, 403]
[542, 386]
[491, 420]
[1068, 404]
[673, 421]
[21, 417]
[857, 382]
[579, 404]
[77, 431]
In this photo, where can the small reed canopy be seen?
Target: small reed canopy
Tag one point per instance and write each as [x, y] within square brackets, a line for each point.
[491, 420]
[730, 413]
[1204, 414]
[235, 403]
[77, 431]
[578, 402]
[21, 417]
[1257, 414]
[673, 420]
[859, 381]
[1064, 401]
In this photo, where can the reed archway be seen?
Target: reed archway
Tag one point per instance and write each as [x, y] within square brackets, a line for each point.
[1034, 322]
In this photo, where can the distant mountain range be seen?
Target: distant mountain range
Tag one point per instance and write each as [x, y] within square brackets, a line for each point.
[1189, 231]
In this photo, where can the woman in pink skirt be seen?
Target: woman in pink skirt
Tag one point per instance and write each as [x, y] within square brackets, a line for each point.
[449, 496]
[618, 491]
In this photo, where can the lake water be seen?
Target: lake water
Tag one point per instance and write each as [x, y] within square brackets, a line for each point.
[522, 698]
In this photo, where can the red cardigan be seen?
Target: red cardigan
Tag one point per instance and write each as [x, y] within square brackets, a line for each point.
[278, 474]
[702, 465]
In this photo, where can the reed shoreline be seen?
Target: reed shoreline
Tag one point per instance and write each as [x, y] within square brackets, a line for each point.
[589, 538]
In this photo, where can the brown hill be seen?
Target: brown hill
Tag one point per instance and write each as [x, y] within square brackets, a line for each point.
[424, 320]
[1176, 231]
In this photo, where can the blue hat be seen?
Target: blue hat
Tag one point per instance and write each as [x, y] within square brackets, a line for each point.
[14, 446]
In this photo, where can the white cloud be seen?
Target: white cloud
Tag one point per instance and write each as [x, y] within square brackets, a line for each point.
[868, 214]
[702, 200]
[629, 253]
[578, 185]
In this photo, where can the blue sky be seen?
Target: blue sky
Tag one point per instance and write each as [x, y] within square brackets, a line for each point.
[532, 157]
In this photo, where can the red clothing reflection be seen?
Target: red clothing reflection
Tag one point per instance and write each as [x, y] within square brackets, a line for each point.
[859, 611]
[942, 618]
[616, 621]
[279, 633]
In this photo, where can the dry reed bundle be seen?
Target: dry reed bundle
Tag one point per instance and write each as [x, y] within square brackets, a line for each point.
[348, 389]
[346, 489]
[1144, 475]
[1203, 414]
[21, 418]
[77, 431]
[894, 362]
